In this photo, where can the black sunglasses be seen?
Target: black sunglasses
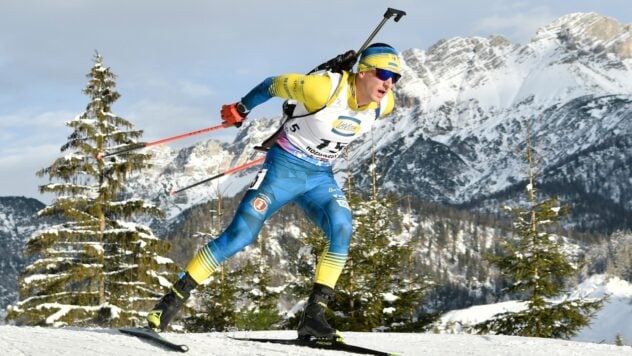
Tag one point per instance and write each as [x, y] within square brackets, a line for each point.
[385, 74]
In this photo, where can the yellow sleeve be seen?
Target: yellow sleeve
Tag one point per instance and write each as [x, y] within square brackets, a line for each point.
[311, 90]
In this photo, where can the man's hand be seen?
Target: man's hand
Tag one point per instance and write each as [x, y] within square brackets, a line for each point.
[342, 62]
[234, 114]
[345, 61]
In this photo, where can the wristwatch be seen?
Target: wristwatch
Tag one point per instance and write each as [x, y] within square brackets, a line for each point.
[241, 108]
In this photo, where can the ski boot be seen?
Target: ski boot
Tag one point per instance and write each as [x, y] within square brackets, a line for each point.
[313, 324]
[169, 305]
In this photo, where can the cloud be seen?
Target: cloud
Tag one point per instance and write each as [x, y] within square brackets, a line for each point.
[160, 120]
[20, 131]
[518, 22]
[18, 168]
[178, 62]
[195, 89]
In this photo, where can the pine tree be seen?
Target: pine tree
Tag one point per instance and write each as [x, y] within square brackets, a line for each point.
[374, 288]
[538, 268]
[216, 299]
[620, 255]
[618, 340]
[97, 268]
[409, 287]
[301, 286]
[259, 310]
[377, 287]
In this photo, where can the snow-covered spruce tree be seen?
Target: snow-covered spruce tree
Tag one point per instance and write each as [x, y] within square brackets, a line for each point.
[374, 289]
[258, 310]
[538, 268]
[215, 310]
[298, 289]
[620, 255]
[97, 268]
[238, 295]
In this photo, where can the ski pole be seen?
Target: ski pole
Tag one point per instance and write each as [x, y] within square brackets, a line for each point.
[138, 146]
[230, 171]
[390, 12]
[342, 61]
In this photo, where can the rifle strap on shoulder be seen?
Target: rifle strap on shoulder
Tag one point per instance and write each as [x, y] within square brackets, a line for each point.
[288, 113]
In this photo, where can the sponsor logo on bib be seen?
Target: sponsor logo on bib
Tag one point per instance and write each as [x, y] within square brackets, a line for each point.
[346, 126]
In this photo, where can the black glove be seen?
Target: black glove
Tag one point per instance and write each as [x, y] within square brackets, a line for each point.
[342, 62]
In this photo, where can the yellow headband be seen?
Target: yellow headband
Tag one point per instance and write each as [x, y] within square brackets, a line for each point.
[379, 57]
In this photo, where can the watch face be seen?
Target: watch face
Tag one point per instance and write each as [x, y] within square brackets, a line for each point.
[241, 108]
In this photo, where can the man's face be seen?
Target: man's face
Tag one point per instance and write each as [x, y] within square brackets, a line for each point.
[371, 88]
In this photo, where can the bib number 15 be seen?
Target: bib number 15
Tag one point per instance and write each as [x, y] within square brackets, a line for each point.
[332, 147]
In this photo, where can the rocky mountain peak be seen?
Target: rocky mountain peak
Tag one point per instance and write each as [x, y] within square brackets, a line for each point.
[463, 108]
[590, 33]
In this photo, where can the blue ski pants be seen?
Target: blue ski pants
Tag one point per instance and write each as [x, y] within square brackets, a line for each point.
[285, 178]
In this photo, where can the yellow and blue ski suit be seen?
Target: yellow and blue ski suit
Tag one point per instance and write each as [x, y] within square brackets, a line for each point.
[298, 168]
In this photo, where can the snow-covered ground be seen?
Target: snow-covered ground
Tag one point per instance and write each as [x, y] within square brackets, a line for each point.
[598, 339]
[73, 341]
[615, 318]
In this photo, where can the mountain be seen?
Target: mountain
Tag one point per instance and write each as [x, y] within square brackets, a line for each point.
[455, 146]
[17, 222]
[174, 169]
[464, 108]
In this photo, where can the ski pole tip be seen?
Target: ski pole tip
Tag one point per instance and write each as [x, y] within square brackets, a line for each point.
[100, 155]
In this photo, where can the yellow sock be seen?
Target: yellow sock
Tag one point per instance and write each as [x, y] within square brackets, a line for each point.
[202, 265]
[329, 268]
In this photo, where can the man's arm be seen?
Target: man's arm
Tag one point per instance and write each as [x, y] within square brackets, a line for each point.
[311, 90]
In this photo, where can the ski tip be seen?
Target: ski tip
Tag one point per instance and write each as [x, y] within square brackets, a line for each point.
[100, 155]
[173, 192]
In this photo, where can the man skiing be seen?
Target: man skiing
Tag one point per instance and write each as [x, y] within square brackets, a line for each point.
[333, 108]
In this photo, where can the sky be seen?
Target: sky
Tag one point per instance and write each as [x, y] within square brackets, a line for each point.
[177, 62]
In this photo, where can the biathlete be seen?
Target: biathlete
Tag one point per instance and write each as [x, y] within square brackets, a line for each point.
[332, 109]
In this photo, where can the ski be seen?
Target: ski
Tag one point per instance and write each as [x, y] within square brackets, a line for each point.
[319, 344]
[153, 337]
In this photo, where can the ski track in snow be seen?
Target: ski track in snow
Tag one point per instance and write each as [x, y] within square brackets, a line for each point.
[29, 341]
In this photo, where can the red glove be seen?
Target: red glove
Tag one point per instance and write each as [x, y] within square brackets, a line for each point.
[234, 114]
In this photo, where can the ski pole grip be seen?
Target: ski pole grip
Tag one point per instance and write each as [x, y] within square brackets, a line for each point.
[390, 12]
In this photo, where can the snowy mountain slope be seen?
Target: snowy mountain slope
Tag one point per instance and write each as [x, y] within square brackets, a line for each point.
[17, 223]
[30, 341]
[465, 106]
[175, 169]
[460, 127]
[612, 320]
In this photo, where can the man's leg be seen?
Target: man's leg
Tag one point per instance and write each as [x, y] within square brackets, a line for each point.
[327, 207]
[272, 189]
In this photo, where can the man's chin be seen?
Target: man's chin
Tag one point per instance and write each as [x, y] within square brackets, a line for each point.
[378, 97]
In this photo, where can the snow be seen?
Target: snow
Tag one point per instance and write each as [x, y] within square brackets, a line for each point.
[613, 319]
[80, 341]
